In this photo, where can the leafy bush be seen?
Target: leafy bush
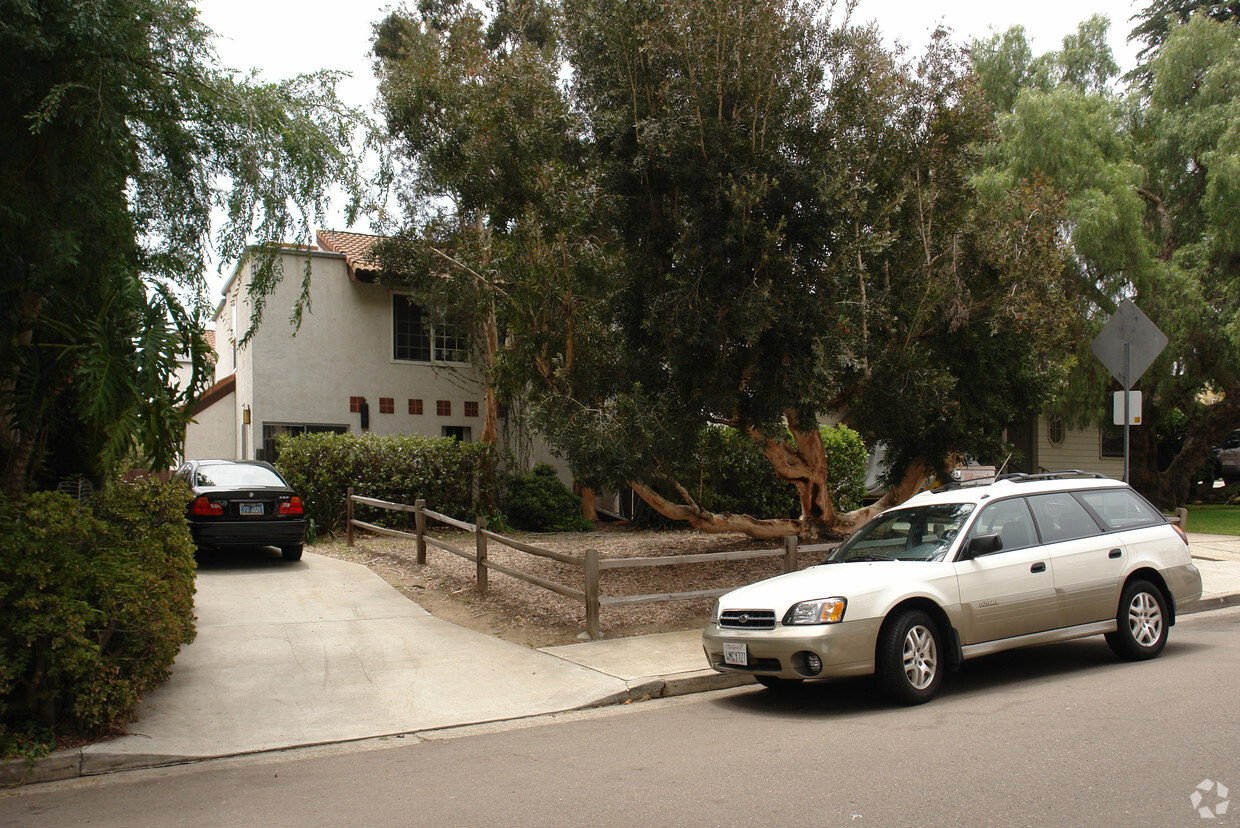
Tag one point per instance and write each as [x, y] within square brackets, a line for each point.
[846, 462]
[540, 502]
[95, 603]
[400, 468]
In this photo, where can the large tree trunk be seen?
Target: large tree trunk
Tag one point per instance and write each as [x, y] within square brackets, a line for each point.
[706, 521]
[804, 465]
[911, 481]
[490, 428]
[1170, 488]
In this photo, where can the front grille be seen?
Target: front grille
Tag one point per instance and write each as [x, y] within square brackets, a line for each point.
[755, 665]
[748, 619]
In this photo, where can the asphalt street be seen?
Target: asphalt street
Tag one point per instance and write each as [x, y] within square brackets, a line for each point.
[1056, 735]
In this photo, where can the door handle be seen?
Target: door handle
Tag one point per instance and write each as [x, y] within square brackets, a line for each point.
[1115, 553]
[1038, 567]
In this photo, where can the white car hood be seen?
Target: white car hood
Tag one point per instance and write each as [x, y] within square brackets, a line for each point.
[841, 580]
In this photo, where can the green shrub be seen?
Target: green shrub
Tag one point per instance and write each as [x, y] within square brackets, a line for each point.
[399, 468]
[540, 502]
[96, 601]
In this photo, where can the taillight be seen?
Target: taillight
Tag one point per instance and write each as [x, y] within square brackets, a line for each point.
[292, 506]
[203, 507]
[1183, 536]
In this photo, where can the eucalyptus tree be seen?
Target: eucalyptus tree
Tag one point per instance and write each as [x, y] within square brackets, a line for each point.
[494, 182]
[1148, 183]
[799, 241]
[122, 133]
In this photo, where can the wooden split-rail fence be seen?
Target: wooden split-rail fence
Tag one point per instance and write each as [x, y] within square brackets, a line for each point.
[590, 563]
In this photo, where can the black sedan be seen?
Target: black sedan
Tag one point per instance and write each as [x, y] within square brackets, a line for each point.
[243, 503]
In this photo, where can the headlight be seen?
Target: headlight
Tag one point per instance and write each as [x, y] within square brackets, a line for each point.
[819, 611]
[714, 613]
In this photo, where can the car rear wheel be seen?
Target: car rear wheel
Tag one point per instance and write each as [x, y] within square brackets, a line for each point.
[909, 664]
[1141, 622]
[291, 553]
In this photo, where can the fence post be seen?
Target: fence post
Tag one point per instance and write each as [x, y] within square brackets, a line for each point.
[481, 543]
[419, 520]
[1182, 514]
[348, 517]
[790, 553]
[592, 587]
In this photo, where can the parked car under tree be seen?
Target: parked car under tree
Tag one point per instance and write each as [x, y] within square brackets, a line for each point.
[965, 571]
[243, 503]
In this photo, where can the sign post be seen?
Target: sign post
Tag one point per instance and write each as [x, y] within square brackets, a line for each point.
[1128, 345]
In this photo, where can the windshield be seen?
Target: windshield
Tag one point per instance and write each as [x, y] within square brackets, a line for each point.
[918, 534]
[237, 475]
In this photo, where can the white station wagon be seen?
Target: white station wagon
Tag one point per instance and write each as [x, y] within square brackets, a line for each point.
[961, 572]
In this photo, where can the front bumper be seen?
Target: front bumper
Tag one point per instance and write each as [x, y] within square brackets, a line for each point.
[287, 532]
[845, 649]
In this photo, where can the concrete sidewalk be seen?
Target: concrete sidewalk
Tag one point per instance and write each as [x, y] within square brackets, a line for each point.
[342, 656]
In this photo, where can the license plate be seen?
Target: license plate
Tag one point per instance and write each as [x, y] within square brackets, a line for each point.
[250, 508]
[735, 654]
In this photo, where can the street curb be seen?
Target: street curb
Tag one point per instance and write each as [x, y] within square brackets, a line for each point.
[1214, 602]
[71, 763]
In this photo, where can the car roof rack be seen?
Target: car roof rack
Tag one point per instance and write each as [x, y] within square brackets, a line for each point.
[1065, 474]
[1020, 477]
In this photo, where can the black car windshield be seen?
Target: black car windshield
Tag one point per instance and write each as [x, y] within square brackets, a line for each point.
[239, 475]
[922, 533]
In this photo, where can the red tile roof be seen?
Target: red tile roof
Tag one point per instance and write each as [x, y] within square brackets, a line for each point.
[356, 249]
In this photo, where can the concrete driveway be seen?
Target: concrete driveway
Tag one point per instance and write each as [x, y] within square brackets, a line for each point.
[323, 650]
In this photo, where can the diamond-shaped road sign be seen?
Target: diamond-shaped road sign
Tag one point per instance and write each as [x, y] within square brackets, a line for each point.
[1129, 344]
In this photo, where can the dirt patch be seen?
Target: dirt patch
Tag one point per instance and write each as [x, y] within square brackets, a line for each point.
[526, 614]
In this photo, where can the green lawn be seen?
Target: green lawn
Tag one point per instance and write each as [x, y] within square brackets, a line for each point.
[1214, 519]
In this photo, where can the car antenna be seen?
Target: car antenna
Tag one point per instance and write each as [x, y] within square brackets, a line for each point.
[1004, 466]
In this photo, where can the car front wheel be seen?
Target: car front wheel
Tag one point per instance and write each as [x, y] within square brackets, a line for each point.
[1141, 622]
[291, 553]
[909, 665]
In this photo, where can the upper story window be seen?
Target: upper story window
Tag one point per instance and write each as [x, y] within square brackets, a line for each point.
[419, 337]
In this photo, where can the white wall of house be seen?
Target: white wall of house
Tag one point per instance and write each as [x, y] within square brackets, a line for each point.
[344, 349]
[214, 432]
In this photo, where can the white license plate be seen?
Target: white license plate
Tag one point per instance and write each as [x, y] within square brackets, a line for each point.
[735, 654]
[250, 508]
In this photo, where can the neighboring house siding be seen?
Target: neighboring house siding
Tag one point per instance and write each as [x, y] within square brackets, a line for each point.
[1079, 449]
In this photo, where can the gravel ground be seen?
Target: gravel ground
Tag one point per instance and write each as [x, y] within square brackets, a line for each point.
[527, 614]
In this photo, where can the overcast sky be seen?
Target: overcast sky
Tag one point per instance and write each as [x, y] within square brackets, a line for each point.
[283, 38]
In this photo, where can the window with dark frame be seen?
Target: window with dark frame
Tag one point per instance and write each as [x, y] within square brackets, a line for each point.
[355, 404]
[417, 336]
[462, 433]
[415, 407]
[471, 408]
[443, 408]
[411, 330]
[387, 405]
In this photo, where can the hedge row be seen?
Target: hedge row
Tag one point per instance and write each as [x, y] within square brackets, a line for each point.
[96, 600]
[400, 468]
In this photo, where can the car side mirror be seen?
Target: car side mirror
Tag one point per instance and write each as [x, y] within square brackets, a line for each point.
[979, 545]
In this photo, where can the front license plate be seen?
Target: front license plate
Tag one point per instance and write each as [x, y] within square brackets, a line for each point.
[250, 508]
[735, 654]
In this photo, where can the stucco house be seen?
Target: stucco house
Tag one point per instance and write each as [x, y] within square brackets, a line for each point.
[365, 359]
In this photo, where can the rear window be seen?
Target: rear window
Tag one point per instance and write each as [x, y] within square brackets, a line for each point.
[239, 475]
[1120, 509]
